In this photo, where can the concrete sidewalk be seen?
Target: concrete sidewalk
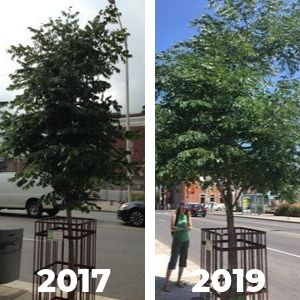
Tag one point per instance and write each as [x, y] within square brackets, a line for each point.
[191, 272]
[20, 290]
[107, 206]
[190, 276]
[266, 217]
[15, 290]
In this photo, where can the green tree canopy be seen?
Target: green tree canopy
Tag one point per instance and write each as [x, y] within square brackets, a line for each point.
[229, 99]
[228, 102]
[64, 127]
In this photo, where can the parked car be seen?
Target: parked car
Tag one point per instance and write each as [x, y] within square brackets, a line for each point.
[197, 209]
[14, 197]
[216, 206]
[132, 213]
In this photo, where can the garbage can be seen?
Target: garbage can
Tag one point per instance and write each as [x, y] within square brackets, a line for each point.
[10, 254]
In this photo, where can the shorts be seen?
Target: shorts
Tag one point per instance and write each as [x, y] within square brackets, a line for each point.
[180, 249]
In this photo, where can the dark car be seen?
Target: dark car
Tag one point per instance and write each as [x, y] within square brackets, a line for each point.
[197, 209]
[132, 213]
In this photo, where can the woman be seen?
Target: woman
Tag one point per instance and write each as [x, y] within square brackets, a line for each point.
[181, 224]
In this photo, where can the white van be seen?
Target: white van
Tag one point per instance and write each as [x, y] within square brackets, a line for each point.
[14, 197]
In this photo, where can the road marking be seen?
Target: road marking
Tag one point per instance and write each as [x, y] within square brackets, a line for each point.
[283, 252]
[206, 219]
[194, 228]
[161, 220]
[294, 234]
[28, 239]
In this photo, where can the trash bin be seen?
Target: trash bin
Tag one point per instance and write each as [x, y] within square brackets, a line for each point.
[10, 254]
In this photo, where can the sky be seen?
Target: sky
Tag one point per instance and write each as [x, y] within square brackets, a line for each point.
[172, 20]
[17, 15]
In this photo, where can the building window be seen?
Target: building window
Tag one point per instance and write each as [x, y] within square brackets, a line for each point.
[212, 198]
[202, 199]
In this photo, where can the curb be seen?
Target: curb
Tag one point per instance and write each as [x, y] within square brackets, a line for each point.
[249, 217]
[106, 211]
[258, 218]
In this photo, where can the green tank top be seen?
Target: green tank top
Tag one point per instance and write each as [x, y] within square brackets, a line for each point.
[182, 235]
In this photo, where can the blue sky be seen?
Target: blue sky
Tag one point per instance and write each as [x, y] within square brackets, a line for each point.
[173, 18]
[172, 21]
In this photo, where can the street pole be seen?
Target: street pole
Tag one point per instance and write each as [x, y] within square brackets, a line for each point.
[128, 142]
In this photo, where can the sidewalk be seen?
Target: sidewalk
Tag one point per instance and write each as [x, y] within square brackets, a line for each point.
[191, 272]
[107, 206]
[20, 290]
[15, 290]
[190, 276]
[266, 217]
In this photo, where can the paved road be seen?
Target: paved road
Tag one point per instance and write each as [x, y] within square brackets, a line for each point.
[119, 247]
[283, 242]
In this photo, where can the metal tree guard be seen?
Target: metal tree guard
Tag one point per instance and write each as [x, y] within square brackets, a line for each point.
[251, 252]
[51, 243]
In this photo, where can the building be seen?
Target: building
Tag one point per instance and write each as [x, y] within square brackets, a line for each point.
[194, 194]
[137, 146]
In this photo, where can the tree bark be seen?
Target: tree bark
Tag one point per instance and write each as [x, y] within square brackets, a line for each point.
[232, 257]
[232, 243]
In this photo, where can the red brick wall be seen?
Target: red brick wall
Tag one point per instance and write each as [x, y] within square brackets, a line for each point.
[138, 146]
[193, 193]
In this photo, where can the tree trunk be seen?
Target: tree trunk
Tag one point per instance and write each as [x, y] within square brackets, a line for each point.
[228, 199]
[232, 253]
[71, 295]
[232, 257]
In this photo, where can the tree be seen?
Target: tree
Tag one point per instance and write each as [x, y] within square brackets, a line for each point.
[63, 126]
[228, 102]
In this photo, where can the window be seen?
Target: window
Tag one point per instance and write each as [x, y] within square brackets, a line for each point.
[202, 199]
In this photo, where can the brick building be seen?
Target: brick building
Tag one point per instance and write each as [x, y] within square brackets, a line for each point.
[192, 194]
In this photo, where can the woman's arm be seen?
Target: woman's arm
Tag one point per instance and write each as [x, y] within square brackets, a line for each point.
[190, 225]
[173, 227]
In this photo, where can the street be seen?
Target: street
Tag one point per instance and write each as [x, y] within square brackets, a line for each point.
[283, 240]
[119, 247]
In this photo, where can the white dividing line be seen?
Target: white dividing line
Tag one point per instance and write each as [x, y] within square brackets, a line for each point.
[283, 252]
[194, 228]
[28, 239]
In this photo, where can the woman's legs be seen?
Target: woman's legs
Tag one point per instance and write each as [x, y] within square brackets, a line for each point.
[176, 245]
[180, 271]
[182, 261]
[167, 279]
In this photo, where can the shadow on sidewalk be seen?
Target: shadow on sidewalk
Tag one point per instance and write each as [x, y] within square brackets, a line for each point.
[175, 293]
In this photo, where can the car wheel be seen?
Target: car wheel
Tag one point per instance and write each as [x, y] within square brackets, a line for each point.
[52, 212]
[34, 209]
[137, 218]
